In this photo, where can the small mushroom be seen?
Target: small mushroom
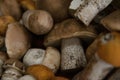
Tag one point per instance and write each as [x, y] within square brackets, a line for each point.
[115, 75]
[103, 61]
[93, 7]
[27, 4]
[3, 58]
[38, 21]
[57, 8]
[13, 69]
[17, 40]
[44, 57]
[40, 72]
[4, 21]
[68, 33]
[10, 7]
[112, 21]
[27, 77]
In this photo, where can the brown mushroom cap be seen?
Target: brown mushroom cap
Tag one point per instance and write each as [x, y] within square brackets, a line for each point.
[109, 48]
[14, 63]
[66, 29]
[10, 7]
[17, 41]
[112, 21]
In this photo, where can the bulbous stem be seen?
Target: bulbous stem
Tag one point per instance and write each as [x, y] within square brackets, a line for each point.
[72, 56]
[97, 69]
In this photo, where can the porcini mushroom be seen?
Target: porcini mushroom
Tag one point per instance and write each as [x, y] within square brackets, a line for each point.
[93, 7]
[68, 33]
[40, 72]
[17, 40]
[27, 77]
[13, 70]
[38, 21]
[4, 21]
[10, 7]
[106, 58]
[44, 57]
[112, 21]
[57, 8]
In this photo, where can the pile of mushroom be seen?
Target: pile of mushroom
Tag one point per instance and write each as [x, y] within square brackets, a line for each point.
[59, 39]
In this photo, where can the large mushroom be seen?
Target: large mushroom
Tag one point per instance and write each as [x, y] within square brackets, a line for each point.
[68, 33]
[83, 7]
[103, 61]
[17, 40]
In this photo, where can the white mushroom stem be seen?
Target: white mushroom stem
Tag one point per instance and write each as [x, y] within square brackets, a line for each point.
[11, 74]
[1, 68]
[97, 69]
[72, 56]
[87, 11]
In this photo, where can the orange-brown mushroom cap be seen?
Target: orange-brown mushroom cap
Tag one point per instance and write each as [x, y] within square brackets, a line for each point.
[109, 48]
[41, 72]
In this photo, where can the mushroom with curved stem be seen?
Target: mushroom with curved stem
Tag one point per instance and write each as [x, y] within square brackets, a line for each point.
[44, 57]
[68, 33]
[38, 21]
[10, 7]
[103, 61]
[27, 77]
[93, 7]
[17, 40]
[13, 69]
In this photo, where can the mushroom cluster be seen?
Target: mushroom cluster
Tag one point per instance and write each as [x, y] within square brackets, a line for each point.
[59, 39]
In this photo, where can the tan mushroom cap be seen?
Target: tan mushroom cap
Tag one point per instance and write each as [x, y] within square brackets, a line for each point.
[109, 48]
[66, 29]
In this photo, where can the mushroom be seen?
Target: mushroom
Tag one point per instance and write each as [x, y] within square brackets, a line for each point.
[40, 72]
[27, 4]
[115, 75]
[57, 8]
[103, 61]
[112, 21]
[37, 21]
[3, 58]
[13, 69]
[44, 57]
[4, 21]
[27, 77]
[93, 7]
[2, 41]
[68, 33]
[17, 40]
[10, 7]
